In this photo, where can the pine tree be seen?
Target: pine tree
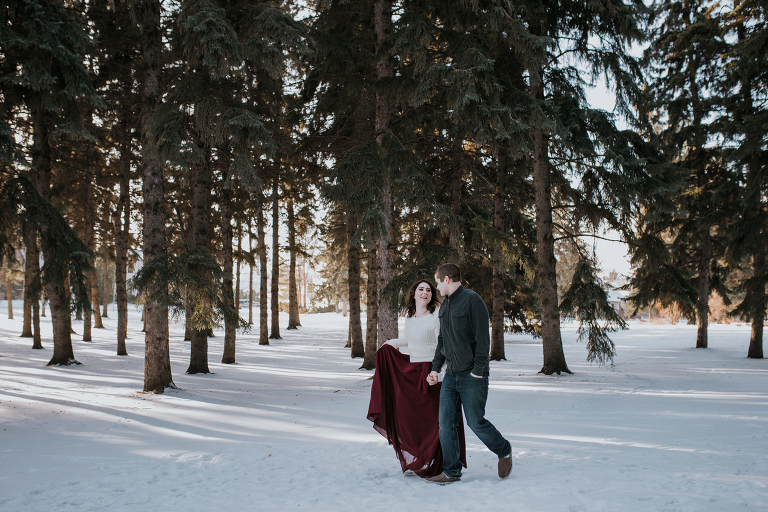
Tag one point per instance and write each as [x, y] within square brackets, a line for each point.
[340, 75]
[581, 159]
[744, 89]
[683, 54]
[157, 362]
[46, 41]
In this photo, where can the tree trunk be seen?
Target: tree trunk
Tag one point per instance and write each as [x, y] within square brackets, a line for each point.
[275, 283]
[386, 244]
[37, 341]
[122, 230]
[552, 343]
[157, 361]
[31, 269]
[198, 228]
[88, 240]
[239, 260]
[263, 311]
[758, 315]
[230, 323]
[702, 305]
[251, 262]
[293, 295]
[106, 295]
[95, 297]
[8, 287]
[353, 264]
[372, 313]
[497, 316]
[58, 292]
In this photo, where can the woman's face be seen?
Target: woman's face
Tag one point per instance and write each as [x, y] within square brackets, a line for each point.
[423, 294]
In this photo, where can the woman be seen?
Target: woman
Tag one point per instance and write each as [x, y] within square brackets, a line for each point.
[404, 407]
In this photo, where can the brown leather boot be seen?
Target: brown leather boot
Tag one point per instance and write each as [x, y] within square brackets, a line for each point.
[505, 466]
[442, 479]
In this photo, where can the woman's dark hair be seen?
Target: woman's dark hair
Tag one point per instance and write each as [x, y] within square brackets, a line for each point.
[410, 300]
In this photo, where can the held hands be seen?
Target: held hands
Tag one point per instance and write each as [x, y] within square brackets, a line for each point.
[432, 378]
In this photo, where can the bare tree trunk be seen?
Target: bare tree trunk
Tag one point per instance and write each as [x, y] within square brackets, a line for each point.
[95, 298]
[263, 312]
[88, 240]
[122, 228]
[497, 316]
[372, 313]
[157, 361]
[702, 305]
[293, 297]
[37, 341]
[239, 259]
[62, 327]
[386, 244]
[758, 315]
[353, 264]
[198, 227]
[552, 343]
[275, 288]
[106, 295]
[230, 324]
[8, 287]
[30, 270]
[251, 262]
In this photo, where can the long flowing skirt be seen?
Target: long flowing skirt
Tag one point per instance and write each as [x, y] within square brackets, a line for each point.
[404, 409]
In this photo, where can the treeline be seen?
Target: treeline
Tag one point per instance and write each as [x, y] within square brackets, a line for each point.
[425, 131]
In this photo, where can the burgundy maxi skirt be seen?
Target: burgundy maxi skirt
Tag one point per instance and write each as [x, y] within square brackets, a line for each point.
[404, 409]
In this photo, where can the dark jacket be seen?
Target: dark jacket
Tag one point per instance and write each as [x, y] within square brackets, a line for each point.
[464, 341]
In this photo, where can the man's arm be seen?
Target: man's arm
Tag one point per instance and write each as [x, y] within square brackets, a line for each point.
[480, 319]
[439, 359]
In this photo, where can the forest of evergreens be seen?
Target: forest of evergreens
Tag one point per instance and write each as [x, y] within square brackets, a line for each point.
[404, 134]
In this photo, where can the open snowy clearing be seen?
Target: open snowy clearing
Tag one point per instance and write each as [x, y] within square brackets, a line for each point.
[668, 428]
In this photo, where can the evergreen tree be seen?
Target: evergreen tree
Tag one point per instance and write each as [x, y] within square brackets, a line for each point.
[683, 59]
[45, 41]
[340, 75]
[157, 361]
[744, 89]
[597, 174]
[118, 60]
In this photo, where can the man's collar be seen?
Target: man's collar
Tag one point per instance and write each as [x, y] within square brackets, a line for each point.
[456, 292]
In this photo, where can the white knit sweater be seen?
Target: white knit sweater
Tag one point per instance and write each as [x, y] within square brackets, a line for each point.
[420, 336]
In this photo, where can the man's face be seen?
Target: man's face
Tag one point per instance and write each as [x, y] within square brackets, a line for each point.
[442, 286]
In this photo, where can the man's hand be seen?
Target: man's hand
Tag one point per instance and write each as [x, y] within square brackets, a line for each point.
[432, 378]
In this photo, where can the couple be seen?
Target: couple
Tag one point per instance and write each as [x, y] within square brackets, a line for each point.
[420, 417]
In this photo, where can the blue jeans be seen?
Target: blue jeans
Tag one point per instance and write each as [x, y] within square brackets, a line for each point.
[471, 393]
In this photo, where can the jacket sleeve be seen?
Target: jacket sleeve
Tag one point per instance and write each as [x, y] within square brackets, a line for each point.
[439, 359]
[480, 323]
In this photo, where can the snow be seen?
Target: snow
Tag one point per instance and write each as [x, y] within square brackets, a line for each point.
[668, 427]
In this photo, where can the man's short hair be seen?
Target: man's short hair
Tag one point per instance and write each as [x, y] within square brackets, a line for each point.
[449, 270]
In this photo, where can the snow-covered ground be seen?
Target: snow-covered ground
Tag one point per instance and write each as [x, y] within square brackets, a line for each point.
[668, 428]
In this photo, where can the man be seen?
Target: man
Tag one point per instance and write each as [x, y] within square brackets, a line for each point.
[465, 345]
